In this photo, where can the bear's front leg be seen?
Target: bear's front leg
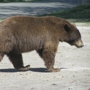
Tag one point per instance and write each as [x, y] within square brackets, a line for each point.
[49, 62]
[48, 56]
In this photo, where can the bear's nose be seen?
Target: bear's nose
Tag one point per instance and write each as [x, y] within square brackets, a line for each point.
[79, 43]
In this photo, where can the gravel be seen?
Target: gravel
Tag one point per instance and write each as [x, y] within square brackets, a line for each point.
[74, 74]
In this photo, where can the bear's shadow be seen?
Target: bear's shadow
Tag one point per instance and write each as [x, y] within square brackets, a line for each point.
[9, 70]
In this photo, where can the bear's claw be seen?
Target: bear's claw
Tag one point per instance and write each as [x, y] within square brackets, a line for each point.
[24, 68]
[54, 70]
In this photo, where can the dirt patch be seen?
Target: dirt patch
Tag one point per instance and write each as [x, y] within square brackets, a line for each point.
[74, 74]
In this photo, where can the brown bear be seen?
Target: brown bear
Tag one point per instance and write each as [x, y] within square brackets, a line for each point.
[23, 33]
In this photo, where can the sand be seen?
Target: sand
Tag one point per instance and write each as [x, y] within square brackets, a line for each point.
[74, 74]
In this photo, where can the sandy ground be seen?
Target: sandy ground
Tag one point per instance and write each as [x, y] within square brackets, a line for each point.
[74, 62]
[74, 74]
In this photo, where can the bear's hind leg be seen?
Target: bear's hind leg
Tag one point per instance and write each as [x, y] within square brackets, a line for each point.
[49, 59]
[1, 56]
[17, 62]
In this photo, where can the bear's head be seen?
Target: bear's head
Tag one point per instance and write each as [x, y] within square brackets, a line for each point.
[73, 35]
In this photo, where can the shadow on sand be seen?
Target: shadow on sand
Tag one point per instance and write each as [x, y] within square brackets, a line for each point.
[43, 70]
[9, 70]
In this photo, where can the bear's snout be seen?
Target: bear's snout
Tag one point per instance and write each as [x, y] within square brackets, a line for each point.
[79, 43]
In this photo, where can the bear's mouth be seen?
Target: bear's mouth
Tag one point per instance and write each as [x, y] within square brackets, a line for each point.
[79, 46]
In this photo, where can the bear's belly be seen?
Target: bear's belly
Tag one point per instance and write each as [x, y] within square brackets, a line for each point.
[28, 46]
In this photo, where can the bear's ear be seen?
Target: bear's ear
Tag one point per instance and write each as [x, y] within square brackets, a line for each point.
[67, 28]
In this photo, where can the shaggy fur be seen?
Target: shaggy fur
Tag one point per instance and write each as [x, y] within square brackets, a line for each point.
[22, 34]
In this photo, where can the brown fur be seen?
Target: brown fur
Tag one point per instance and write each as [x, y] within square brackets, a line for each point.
[22, 34]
